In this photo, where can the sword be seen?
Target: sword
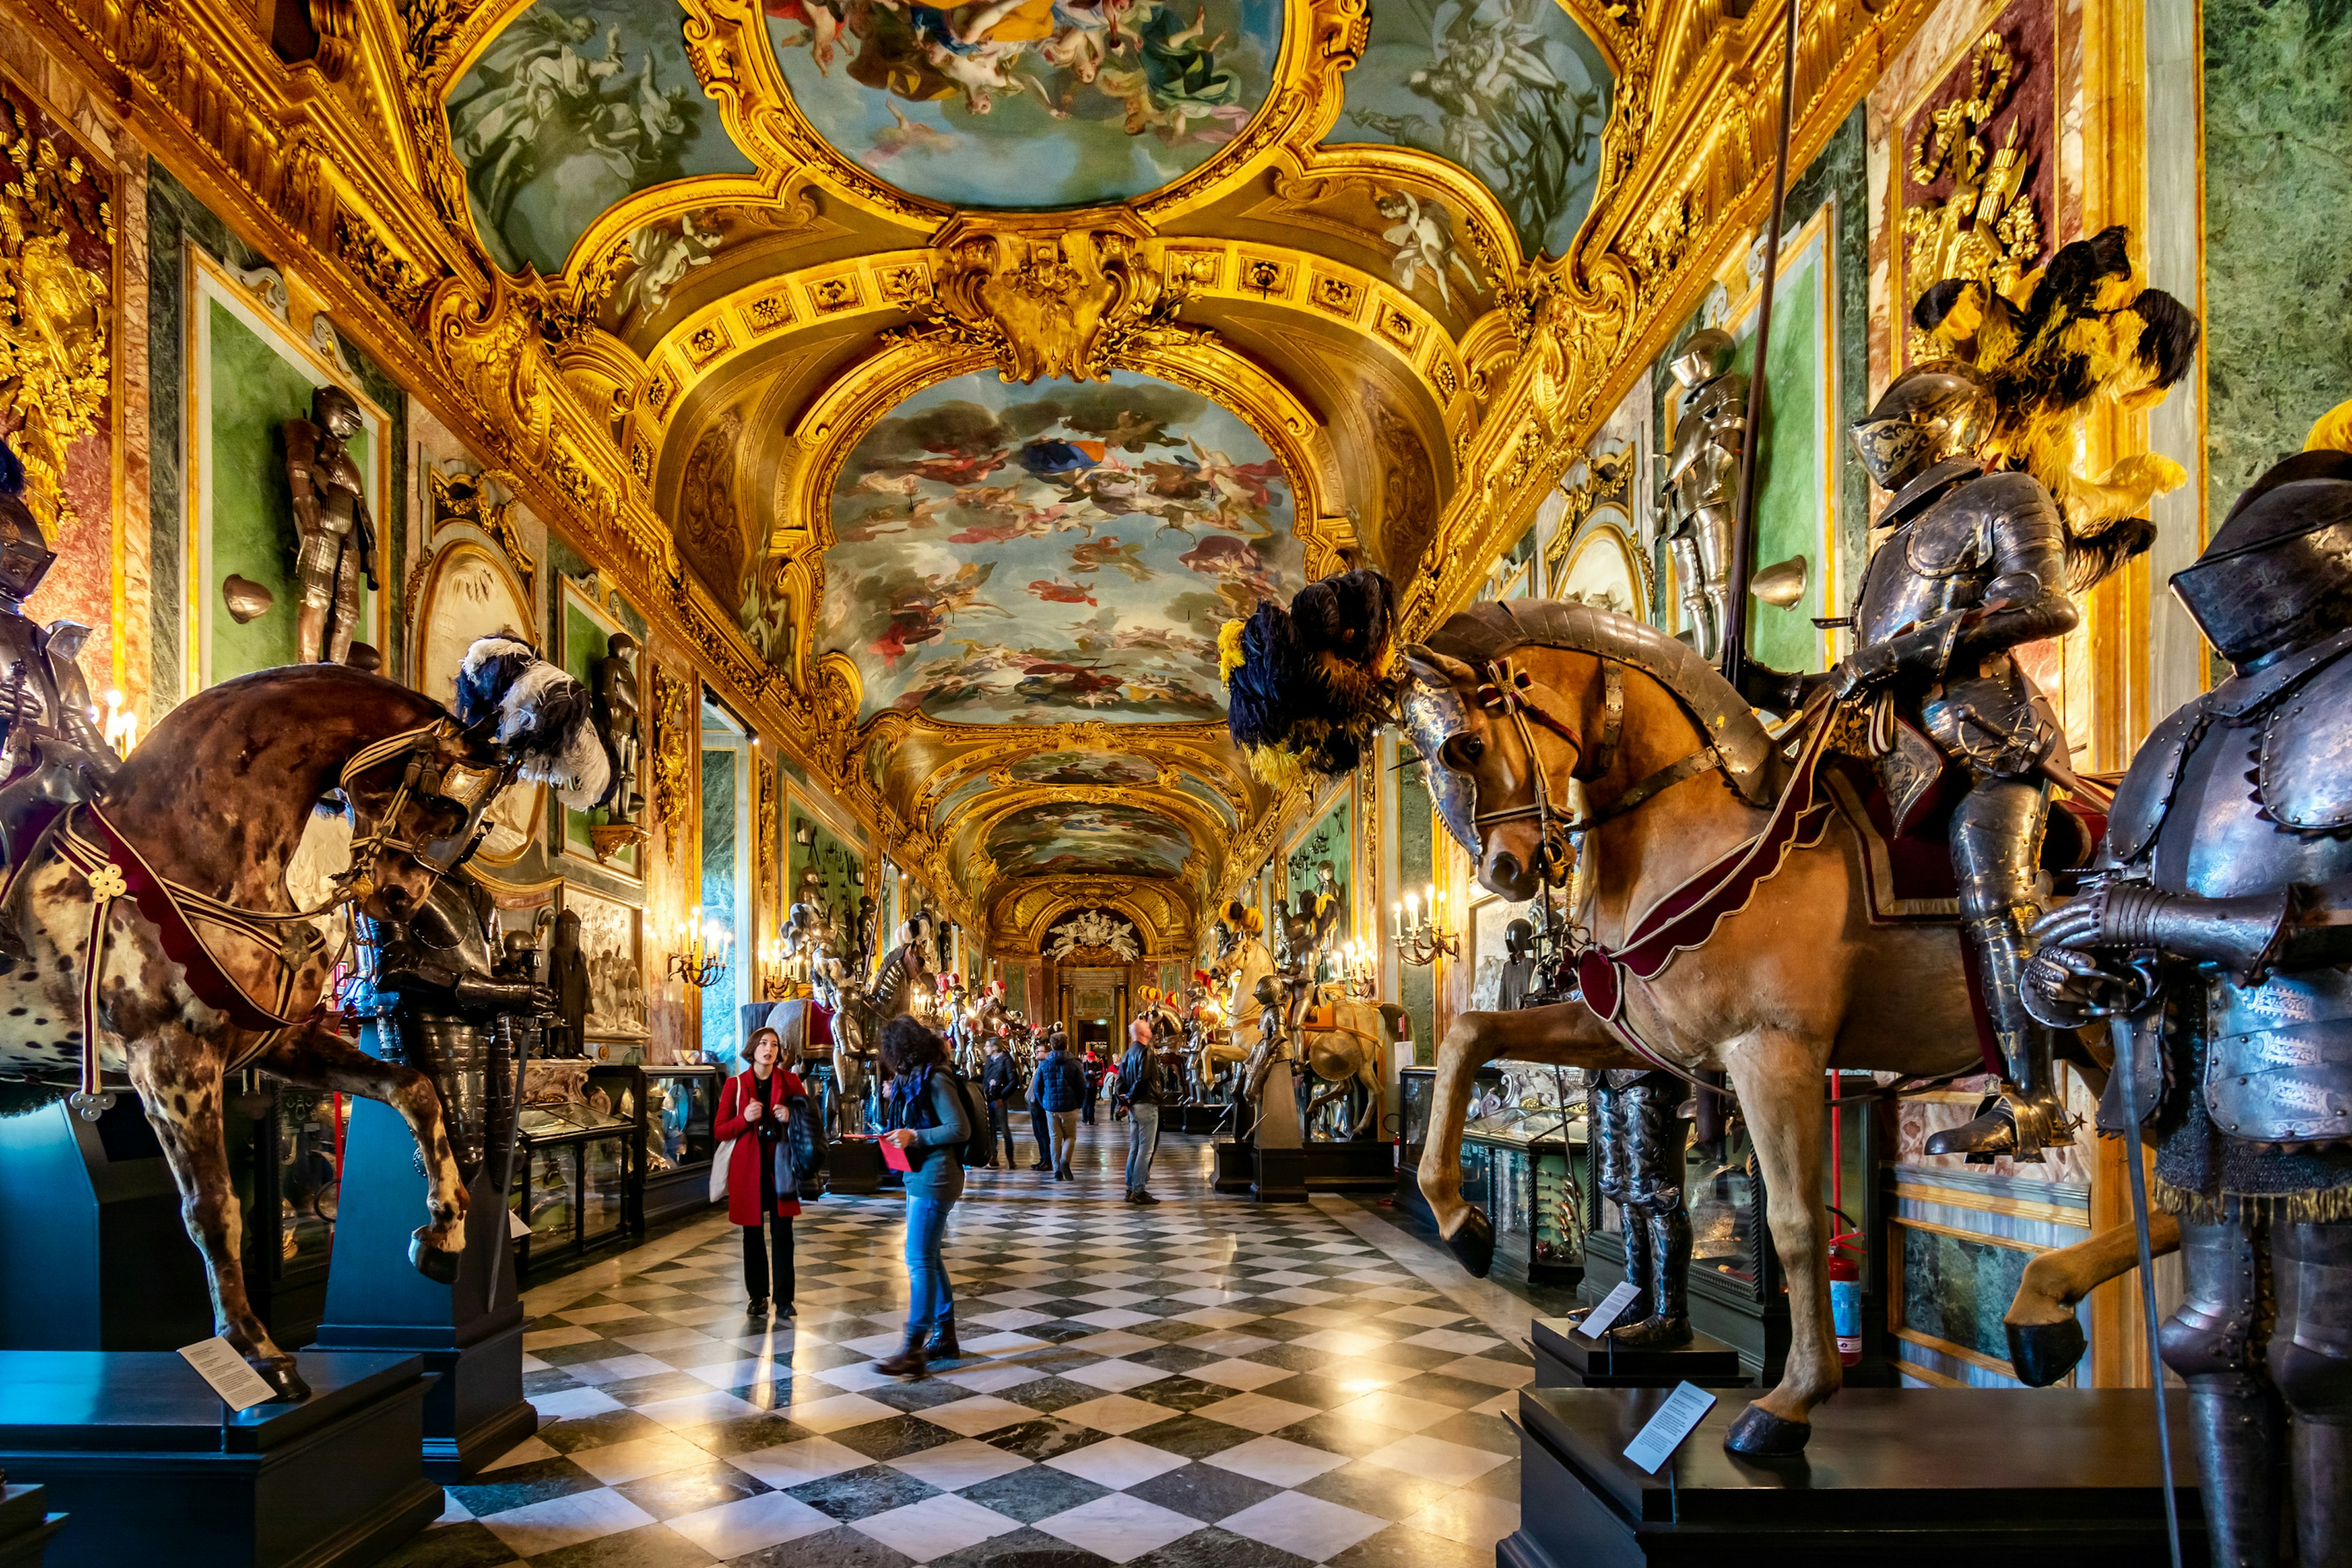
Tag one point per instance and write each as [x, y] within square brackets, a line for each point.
[2125, 1029]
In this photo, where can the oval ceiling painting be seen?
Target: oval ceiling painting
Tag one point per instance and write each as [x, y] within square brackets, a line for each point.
[1065, 839]
[576, 105]
[1511, 90]
[1054, 551]
[1027, 103]
[1103, 770]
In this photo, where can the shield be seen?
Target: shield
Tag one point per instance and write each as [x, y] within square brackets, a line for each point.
[1432, 714]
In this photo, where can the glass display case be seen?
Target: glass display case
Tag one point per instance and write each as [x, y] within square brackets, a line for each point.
[673, 1107]
[286, 1156]
[579, 1160]
[1523, 1161]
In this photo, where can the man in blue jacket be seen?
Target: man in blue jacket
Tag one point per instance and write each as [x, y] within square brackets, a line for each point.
[1059, 1088]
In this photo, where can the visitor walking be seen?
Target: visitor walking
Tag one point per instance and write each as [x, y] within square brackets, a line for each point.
[1094, 1067]
[1141, 1082]
[1037, 1126]
[757, 1110]
[927, 1120]
[1060, 1088]
[998, 1080]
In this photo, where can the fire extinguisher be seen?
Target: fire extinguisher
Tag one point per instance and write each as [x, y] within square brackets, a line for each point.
[1845, 1247]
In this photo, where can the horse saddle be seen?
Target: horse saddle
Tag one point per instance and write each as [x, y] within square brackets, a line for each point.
[1321, 1014]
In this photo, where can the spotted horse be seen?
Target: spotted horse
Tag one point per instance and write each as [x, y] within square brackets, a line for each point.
[159, 924]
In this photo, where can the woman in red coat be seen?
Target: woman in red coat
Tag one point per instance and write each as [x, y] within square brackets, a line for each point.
[754, 1108]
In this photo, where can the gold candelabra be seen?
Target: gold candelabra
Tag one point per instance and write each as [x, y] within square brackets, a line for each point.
[1419, 932]
[700, 957]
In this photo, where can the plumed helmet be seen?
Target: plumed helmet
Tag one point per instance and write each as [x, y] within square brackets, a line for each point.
[2278, 575]
[1930, 414]
[1703, 356]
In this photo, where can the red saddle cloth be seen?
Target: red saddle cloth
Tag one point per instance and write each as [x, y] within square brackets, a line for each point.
[1911, 874]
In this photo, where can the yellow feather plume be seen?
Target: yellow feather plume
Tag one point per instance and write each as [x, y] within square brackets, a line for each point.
[2334, 431]
[1228, 648]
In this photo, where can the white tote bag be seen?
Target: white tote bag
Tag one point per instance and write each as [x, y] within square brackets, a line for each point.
[719, 1171]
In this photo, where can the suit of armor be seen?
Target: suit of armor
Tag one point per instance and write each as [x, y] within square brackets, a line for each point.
[1703, 482]
[2227, 863]
[1640, 1142]
[1976, 565]
[616, 714]
[337, 536]
[434, 993]
[53, 754]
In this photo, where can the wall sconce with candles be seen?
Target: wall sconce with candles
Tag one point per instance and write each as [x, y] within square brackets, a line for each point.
[1419, 932]
[700, 957]
[1359, 970]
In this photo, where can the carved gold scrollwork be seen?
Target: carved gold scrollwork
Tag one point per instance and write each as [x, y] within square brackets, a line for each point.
[1067, 304]
[54, 367]
[671, 723]
[466, 498]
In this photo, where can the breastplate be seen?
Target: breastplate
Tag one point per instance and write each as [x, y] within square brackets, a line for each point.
[1940, 560]
[2278, 1063]
[1704, 468]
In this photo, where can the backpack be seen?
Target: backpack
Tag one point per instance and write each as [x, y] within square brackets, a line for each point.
[977, 1145]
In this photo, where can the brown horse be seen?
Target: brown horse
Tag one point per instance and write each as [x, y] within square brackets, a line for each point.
[1795, 982]
[215, 801]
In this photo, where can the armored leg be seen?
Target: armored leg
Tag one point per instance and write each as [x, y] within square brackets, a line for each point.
[2211, 1342]
[347, 604]
[2311, 1362]
[1697, 604]
[1996, 836]
[1656, 1139]
[1711, 535]
[1613, 1149]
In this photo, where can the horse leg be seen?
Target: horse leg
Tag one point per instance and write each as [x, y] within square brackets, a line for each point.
[314, 1057]
[2045, 1337]
[179, 1085]
[1368, 1073]
[1469, 1234]
[1779, 1078]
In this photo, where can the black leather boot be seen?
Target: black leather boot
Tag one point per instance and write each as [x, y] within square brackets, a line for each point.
[909, 1362]
[2209, 1341]
[943, 1345]
[1668, 1325]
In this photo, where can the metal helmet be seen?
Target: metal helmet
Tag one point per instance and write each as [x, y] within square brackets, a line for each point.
[24, 555]
[2277, 575]
[1704, 356]
[335, 410]
[1933, 413]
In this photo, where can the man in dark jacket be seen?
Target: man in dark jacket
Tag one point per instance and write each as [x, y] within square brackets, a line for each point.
[1140, 1084]
[1059, 1089]
[997, 1083]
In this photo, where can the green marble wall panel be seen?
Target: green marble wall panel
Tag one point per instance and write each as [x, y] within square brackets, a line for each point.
[719, 848]
[2278, 230]
[1416, 868]
[1956, 1289]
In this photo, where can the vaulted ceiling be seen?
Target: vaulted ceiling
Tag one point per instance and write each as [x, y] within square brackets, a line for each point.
[937, 379]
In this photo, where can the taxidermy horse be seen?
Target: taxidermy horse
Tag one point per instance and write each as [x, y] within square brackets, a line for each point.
[204, 966]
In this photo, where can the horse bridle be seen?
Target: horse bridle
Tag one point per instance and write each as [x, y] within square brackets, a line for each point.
[471, 788]
[1506, 688]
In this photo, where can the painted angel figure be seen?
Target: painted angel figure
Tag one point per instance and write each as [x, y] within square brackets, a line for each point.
[1423, 236]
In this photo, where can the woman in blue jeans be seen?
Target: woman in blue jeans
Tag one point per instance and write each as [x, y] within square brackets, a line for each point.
[926, 1118]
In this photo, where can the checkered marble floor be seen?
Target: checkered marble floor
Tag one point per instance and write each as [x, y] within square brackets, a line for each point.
[1197, 1385]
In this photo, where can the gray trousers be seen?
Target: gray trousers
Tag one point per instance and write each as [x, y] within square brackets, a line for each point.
[1064, 1127]
[1142, 1143]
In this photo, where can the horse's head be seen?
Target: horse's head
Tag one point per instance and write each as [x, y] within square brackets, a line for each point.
[418, 799]
[1500, 785]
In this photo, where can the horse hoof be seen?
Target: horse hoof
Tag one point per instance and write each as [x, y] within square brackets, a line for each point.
[2045, 1353]
[1760, 1435]
[1473, 1245]
[281, 1376]
[436, 1265]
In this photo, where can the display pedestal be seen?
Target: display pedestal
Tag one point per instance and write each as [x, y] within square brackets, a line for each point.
[853, 1165]
[1565, 1359]
[94, 1252]
[26, 1527]
[1198, 1120]
[469, 1334]
[1928, 1477]
[1281, 1175]
[1357, 1165]
[151, 1467]
[1236, 1165]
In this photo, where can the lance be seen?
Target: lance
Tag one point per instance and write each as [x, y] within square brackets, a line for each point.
[2132, 1033]
[1743, 520]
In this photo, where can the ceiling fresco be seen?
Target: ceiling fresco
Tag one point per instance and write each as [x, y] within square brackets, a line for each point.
[1102, 770]
[1078, 838]
[1511, 90]
[1030, 555]
[1027, 103]
[576, 105]
[1208, 794]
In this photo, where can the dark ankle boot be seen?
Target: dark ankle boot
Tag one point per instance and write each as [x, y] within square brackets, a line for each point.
[943, 1345]
[907, 1363]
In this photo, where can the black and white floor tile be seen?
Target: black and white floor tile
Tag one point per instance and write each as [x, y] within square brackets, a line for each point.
[1197, 1385]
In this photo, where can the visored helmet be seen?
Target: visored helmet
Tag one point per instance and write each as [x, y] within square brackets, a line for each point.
[1703, 356]
[24, 555]
[2278, 575]
[1930, 414]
